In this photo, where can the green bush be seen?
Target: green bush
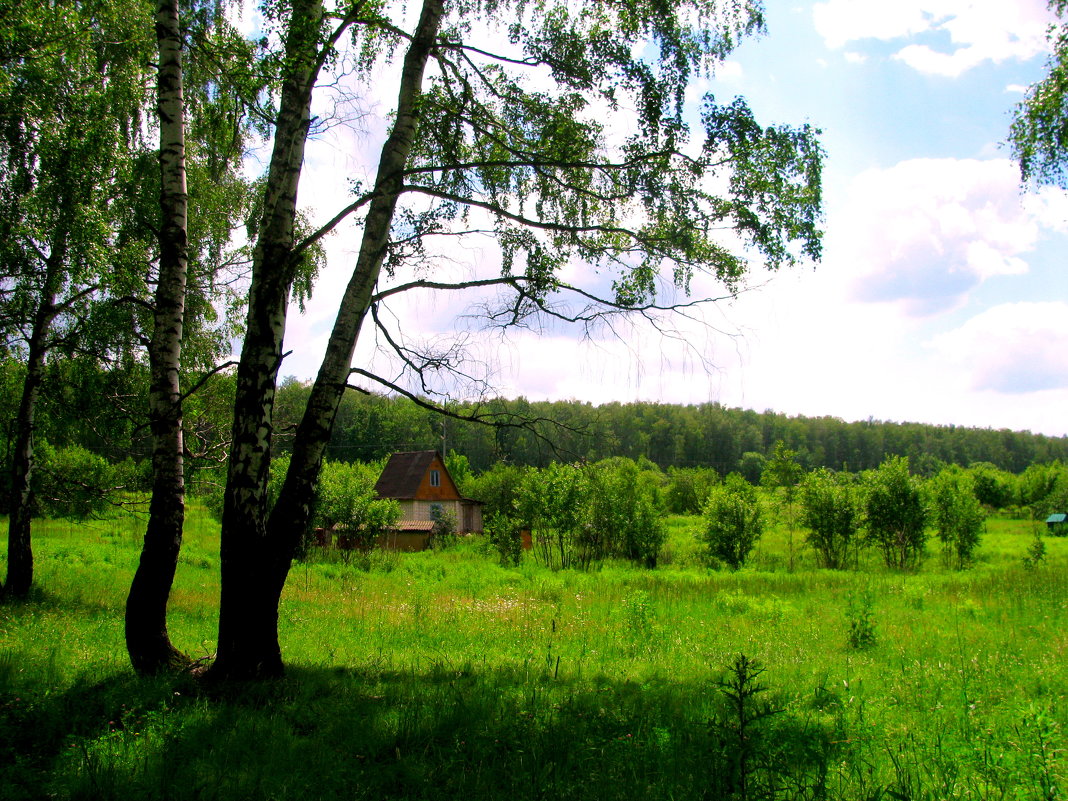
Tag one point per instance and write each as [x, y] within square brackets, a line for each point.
[831, 512]
[505, 535]
[732, 521]
[896, 514]
[958, 516]
[73, 482]
[625, 511]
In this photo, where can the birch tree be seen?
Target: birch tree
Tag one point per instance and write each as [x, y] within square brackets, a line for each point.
[69, 110]
[514, 142]
[221, 123]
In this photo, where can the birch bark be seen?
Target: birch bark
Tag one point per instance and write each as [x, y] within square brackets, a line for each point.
[248, 621]
[147, 640]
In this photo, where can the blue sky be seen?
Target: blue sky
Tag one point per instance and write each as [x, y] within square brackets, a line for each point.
[942, 296]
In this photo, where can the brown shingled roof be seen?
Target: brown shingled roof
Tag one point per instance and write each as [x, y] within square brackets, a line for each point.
[403, 473]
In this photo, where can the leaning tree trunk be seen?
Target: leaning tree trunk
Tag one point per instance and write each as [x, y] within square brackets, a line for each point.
[248, 621]
[19, 548]
[292, 512]
[147, 639]
[248, 640]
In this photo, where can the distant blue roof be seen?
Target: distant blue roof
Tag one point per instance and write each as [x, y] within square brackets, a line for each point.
[1057, 518]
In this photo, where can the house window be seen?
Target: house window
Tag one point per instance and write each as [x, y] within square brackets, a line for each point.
[435, 478]
[435, 512]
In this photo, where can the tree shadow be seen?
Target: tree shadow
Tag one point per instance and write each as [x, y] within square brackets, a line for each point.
[354, 733]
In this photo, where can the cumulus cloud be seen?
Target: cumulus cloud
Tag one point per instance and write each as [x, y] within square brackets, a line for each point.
[977, 30]
[926, 232]
[1015, 348]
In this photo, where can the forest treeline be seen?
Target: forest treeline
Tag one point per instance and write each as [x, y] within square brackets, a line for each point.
[101, 409]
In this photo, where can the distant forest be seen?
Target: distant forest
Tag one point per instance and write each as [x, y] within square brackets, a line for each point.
[703, 435]
[102, 410]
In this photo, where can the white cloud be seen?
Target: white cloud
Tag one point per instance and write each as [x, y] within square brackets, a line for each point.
[928, 231]
[855, 58]
[730, 71]
[978, 30]
[1014, 348]
[842, 21]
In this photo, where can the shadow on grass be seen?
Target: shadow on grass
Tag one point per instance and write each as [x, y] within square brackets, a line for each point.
[40, 598]
[434, 734]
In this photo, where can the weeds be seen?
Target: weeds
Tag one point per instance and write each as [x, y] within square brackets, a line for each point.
[861, 618]
[1036, 552]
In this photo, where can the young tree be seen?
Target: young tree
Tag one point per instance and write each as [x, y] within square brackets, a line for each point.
[830, 511]
[625, 510]
[896, 514]
[478, 145]
[553, 503]
[70, 110]
[958, 516]
[733, 521]
[781, 474]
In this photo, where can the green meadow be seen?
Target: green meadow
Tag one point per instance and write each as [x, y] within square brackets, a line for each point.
[442, 675]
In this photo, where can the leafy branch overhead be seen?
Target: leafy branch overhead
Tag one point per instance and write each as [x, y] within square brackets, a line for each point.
[556, 183]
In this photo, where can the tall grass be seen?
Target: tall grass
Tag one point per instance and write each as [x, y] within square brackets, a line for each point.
[444, 675]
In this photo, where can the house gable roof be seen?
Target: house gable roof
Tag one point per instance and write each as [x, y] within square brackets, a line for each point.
[403, 474]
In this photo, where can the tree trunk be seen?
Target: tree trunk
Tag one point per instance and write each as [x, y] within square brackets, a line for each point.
[147, 640]
[19, 548]
[248, 641]
[292, 512]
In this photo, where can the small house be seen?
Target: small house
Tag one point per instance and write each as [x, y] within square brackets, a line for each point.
[421, 484]
[1057, 524]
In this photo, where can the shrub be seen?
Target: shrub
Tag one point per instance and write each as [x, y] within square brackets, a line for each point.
[505, 534]
[552, 503]
[625, 508]
[73, 482]
[732, 520]
[688, 488]
[861, 633]
[443, 532]
[830, 510]
[896, 513]
[958, 516]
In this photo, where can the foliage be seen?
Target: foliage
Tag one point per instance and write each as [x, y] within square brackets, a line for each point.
[732, 521]
[697, 441]
[830, 509]
[625, 510]
[346, 501]
[552, 503]
[782, 470]
[1038, 135]
[443, 532]
[751, 466]
[859, 615]
[1036, 551]
[74, 483]
[958, 517]
[497, 488]
[687, 488]
[993, 487]
[895, 513]
[505, 535]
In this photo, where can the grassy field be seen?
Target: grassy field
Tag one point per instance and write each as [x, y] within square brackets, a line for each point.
[443, 675]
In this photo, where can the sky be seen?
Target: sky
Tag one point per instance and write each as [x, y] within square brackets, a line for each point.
[941, 296]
